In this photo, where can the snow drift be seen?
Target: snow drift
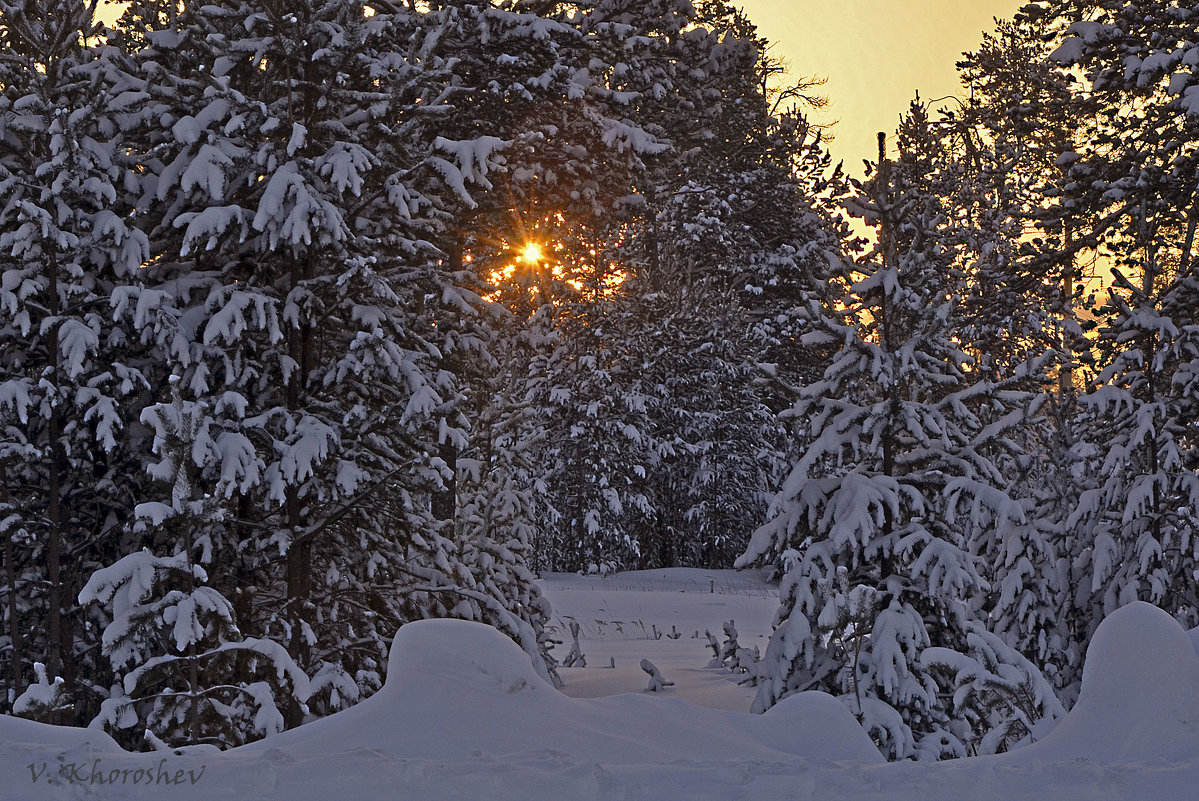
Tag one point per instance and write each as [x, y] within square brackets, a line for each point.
[483, 693]
[1140, 695]
[464, 715]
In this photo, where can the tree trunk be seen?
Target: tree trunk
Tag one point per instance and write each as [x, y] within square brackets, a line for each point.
[193, 663]
[299, 562]
[1066, 374]
[445, 500]
[887, 247]
[298, 577]
[14, 625]
[54, 627]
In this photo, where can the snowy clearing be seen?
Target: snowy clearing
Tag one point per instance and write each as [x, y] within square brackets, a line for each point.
[463, 715]
[618, 615]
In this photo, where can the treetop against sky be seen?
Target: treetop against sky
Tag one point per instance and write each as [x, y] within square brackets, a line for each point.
[875, 53]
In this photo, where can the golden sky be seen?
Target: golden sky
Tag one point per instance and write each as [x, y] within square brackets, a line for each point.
[875, 54]
[110, 10]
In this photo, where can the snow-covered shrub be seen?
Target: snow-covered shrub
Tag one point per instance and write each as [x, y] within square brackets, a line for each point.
[730, 646]
[42, 698]
[999, 696]
[184, 671]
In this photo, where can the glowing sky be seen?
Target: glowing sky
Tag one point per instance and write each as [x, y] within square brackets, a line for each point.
[875, 54]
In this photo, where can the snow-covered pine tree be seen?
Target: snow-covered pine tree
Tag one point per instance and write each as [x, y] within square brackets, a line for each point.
[1020, 293]
[1134, 183]
[70, 384]
[1143, 517]
[537, 145]
[289, 194]
[597, 449]
[745, 197]
[183, 670]
[667, 458]
[711, 438]
[1039, 605]
[302, 196]
[875, 523]
[1020, 277]
[519, 149]
[499, 498]
[547, 176]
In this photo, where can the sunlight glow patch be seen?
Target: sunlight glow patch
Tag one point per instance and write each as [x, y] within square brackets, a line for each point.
[532, 253]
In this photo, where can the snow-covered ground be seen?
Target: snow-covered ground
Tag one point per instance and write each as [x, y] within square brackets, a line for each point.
[464, 716]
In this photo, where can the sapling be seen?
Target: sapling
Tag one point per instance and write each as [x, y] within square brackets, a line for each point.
[575, 658]
[42, 698]
[714, 644]
[728, 650]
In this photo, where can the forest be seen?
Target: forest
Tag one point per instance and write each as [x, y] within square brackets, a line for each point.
[318, 317]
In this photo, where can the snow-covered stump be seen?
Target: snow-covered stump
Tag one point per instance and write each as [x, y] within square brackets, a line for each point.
[656, 682]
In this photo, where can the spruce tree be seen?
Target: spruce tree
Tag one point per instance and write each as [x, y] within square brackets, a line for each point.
[1133, 179]
[297, 188]
[876, 522]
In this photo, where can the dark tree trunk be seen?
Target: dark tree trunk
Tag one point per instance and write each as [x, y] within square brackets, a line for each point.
[14, 624]
[55, 633]
[299, 554]
[445, 500]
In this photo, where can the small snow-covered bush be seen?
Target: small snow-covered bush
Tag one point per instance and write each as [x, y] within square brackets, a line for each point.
[42, 698]
[184, 671]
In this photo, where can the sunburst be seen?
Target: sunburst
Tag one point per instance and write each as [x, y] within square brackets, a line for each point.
[532, 253]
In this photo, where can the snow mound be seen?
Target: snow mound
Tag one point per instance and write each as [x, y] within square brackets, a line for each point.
[455, 689]
[463, 715]
[818, 726]
[67, 738]
[1140, 694]
[456, 654]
